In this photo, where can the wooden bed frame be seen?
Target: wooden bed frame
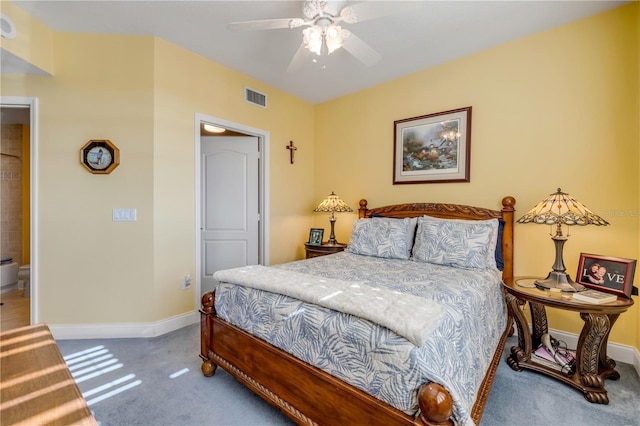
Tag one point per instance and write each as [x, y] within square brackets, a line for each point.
[310, 396]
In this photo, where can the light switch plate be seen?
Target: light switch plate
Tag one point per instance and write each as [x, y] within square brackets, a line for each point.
[125, 215]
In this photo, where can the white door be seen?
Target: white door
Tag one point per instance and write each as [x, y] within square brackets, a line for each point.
[230, 216]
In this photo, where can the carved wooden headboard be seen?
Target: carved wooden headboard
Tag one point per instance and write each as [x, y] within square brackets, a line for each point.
[456, 211]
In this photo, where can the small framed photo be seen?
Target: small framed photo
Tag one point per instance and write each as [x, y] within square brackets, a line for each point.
[315, 236]
[433, 148]
[606, 273]
[100, 156]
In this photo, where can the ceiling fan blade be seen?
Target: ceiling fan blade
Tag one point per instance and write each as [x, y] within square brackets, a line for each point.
[266, 24]
[361, 50]
[298, 59]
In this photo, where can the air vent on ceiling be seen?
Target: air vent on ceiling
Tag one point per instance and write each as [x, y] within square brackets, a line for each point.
[255, 97]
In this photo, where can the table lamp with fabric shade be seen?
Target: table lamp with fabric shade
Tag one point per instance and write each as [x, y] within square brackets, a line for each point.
[560, 209]
[332, 204]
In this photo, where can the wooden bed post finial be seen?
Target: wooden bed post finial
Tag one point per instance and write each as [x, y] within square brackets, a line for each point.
[508, 203]
[362, 211]
[436, 406]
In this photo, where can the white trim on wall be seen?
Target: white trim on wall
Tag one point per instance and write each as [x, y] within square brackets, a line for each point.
[126, 330]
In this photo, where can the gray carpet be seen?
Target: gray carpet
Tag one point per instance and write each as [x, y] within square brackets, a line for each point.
[158, 382]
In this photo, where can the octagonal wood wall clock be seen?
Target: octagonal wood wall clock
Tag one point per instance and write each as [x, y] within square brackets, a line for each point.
[100, 156]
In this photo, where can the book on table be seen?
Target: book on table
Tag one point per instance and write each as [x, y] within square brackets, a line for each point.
[595, 296]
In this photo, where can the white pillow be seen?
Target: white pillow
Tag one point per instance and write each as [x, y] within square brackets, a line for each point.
[468, 244]
[382, 237]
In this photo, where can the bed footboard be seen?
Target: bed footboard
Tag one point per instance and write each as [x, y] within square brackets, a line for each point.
[306, 394]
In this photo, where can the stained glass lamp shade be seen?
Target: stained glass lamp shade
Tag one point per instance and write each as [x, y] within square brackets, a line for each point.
[332, 204]
[560, 209]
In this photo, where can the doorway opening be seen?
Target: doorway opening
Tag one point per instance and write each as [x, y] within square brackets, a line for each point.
[18, 177]
[228, 240]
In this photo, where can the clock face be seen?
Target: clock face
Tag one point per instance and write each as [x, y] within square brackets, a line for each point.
[99, 157]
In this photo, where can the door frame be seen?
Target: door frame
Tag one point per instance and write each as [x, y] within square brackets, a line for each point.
[32, 104]
[263, 193]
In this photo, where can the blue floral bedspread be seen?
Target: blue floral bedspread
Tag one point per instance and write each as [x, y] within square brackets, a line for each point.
[373, 358]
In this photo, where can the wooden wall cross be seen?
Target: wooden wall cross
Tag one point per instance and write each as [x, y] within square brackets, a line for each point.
[291, 149]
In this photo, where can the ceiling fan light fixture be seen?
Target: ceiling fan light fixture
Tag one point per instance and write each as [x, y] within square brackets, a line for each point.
[312, 38]
[334, 36]
[321, 32]
[331, 35]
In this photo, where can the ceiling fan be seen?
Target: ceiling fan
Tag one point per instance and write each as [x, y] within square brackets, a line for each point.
[323, 32]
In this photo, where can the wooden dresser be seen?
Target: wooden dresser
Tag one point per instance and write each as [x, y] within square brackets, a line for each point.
[37, 387]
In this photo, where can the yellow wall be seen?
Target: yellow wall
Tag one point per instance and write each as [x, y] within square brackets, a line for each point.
[559, 108]
[556, 109]
[216, 91]
[143, 94]
[102, 89]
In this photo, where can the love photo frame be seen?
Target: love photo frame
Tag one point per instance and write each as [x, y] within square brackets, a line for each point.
[606, 273]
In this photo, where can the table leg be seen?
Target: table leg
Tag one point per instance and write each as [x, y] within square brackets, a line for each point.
[593, 363]
[605, 363]
[522, 352]
[539, 323]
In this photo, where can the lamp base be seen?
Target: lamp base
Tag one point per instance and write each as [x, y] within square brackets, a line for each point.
[559, 280]
[332, 238]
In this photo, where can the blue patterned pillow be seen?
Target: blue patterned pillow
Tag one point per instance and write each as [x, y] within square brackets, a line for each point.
[411, 231]
[469, 244]
[382, 237]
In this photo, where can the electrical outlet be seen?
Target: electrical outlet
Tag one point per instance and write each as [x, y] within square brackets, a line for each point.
[186, 283]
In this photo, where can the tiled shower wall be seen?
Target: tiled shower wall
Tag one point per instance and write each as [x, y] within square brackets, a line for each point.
[11, 192]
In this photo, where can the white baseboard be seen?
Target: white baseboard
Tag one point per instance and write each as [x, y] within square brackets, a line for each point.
[616, 351]
[117, 331]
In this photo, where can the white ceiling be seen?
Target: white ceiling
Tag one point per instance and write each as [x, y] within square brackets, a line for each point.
[416, 35]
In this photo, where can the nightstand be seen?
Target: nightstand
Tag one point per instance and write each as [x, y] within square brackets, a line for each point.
[592, 365]
[323, 250]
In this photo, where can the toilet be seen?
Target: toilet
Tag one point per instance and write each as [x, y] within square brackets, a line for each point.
[24, 274]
